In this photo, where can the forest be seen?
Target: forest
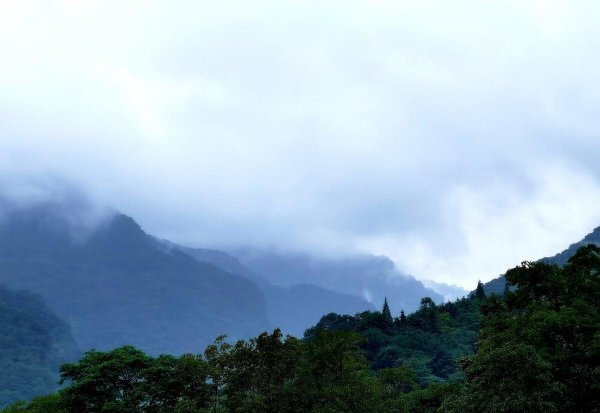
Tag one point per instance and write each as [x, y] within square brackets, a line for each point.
[34, 342]
[534, 348]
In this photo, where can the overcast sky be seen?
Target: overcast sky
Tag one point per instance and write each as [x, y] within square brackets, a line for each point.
[458, 138]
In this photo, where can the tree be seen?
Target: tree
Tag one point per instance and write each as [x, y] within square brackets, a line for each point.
[479, 291]
[177, 384]
[513, 378]
[260, 373]
[427, 400]
[394, 383]
[216, 356]
[402, 317]
[126, 380]
[105, 382]
[539, 348]
[41, 404]
[427, 304]
[387, 314]
[335, 377]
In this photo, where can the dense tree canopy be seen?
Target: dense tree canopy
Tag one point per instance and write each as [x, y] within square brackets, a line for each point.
[428, 342]
[538, 350]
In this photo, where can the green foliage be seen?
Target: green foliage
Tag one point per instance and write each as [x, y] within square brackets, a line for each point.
[259, 373]
[33, 342]
[41, 404]
[479, 292]
[540, 349]
[126, 380]
[429, 341]
[510, 378]
[327, 374]
[387, 314]
[427, 400]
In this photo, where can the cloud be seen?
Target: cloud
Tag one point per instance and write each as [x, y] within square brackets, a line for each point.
[493, 228]
[459, 139]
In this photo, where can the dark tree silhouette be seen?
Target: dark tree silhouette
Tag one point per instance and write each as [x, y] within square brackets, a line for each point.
[387, 314]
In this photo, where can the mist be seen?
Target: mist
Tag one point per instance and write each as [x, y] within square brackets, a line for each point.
[457, 140]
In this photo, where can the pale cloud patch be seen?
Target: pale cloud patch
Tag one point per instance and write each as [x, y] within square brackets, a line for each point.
[493, 229]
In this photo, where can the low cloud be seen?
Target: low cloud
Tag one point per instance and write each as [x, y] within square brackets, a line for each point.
[458, 140]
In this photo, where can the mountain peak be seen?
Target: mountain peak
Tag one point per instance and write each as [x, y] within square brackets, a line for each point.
[117, 285]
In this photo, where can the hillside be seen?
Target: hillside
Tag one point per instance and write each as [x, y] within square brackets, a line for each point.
[535, 349]
[429, 341]
[370, 277]
[293, 308]
[563, 257]
[497, 284]
[33, 343]
[117, 285]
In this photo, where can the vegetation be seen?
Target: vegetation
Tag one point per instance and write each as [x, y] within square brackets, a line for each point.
[538, 350]
[428, 342]
[33, 343]
[270, 373]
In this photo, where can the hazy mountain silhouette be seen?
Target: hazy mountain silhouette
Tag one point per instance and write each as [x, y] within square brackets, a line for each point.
[497, 285]
[562, 257]
[117, 285]
[293, 308]
[370, 277]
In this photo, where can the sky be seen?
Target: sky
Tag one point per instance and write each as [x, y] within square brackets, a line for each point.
[457, 138]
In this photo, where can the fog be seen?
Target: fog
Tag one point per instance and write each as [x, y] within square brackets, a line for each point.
[457, 139]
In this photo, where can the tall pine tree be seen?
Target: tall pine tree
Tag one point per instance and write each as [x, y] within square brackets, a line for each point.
[479, 292]
[387, 314]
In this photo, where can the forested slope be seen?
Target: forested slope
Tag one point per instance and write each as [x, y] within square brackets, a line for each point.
[34, 342]
[116, 285]
[538, 351]
[292, 308]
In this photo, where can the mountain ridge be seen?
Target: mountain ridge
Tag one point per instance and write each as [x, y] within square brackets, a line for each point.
[497, 285]
[116, 285]
[368, 276]
[292, 308]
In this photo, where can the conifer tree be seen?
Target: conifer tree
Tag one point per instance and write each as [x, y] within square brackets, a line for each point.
[479, 291]
[387, 314]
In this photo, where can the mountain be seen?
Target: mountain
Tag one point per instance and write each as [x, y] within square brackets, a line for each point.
[293, 308]
[116, 285]
[497, 284]
[33, 343]
[371, 277]
[451, 292]
[562, 257]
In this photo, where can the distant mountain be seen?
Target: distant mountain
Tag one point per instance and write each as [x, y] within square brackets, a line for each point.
[371, 277]
[562, 257]
[497, 284]
[33, 343]
[117, 285]
[292, 308]
[451, 292]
